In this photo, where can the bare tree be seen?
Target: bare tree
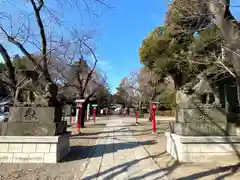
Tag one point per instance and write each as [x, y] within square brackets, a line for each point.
[125, 93]
[13, 39]
[77, 69]
[149, 86]
[30, 35]
[139, 87]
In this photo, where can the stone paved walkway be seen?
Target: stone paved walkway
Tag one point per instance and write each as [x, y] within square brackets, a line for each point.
[119, 156]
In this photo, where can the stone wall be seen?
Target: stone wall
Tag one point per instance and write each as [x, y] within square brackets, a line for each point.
[33, 149]
[219, 149]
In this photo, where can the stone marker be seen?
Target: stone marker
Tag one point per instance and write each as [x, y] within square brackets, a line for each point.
[35, 132]
[36, 111]
[199, 112]
[203, 131]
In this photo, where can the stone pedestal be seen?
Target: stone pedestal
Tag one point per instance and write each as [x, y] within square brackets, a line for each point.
[203, 134]
[33, 121]
[220, 149]
[202, 121]
[33, 149]
[203, 129]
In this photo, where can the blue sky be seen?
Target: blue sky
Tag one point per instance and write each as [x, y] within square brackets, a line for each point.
[123, 30]
[120, 31]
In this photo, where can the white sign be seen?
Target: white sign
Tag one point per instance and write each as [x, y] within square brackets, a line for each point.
[80, 100]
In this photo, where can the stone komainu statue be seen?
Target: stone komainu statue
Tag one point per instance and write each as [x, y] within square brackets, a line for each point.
[31, 92]
[200, 92]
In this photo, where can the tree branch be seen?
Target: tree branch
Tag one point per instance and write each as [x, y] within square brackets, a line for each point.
[89, 76]
[21, 47]
[37, 10]
[93, 92]
[10, 68]
[80, 81]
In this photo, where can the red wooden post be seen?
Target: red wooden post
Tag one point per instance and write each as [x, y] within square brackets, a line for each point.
[154, 108]
[79, 118]
[94, 114]
[136, 116]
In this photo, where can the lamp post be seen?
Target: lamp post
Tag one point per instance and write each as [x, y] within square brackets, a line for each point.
[79, 106]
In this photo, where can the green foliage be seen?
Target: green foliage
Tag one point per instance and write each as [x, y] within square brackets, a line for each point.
[153, 47]
[168, 97]
[164, 54]
[179, 48]
[184, 17]
[20, 63]
[188, 44]
[207, 41]
[167, 54]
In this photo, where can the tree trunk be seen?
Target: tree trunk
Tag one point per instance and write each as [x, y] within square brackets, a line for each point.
[151, 99]
[150, 113]
[10, 68]
[230, 30]
[140, 102]
[83, 116]
[238, 92]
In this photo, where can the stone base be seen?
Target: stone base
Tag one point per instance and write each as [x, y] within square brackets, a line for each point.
[35, 114]
[238, 131]
[33, 149]
[33, 121]
[220, 149]
[203, 129]
[32, 129]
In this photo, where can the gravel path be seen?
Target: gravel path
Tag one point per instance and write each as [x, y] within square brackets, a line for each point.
[70, 169]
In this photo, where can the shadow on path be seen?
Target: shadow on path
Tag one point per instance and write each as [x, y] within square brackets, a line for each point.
[116, 170]
[230, 170]
[82, 152]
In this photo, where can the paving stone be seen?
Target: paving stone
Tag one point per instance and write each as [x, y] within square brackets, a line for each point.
[134, 171]
[119, 156]
[155, 175]
[145, 162]
[120, 174]
[89, 175]
[105, 172]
